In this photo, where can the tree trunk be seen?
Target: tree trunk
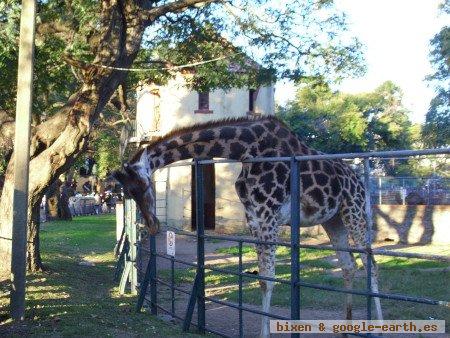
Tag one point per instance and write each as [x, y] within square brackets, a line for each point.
[34, 261]
[57, 142]
[63, 207]
[6, 216]
[53, 199]
[52, 207]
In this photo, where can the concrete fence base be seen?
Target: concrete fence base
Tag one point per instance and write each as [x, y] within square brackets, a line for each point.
[407, 224]
[413, 224]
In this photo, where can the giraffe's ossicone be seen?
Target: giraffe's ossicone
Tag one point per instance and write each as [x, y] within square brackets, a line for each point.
[331, 192]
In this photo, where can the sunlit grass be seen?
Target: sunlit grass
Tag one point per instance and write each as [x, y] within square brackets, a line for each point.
[80, 301]
[75, 300]
[414, 277]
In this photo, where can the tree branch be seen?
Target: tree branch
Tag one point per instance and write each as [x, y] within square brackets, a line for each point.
[176, 7]
[7, 129]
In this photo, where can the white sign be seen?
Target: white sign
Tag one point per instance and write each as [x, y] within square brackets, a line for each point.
[119, 220]
[170, 243]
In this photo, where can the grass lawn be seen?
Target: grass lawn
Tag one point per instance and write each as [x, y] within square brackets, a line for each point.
[75, 300]
[413, 277]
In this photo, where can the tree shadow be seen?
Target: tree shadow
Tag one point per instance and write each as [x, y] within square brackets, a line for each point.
[428, 225]
[404, 227]
[58, 298]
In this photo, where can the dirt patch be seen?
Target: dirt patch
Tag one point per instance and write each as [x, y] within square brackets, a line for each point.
[225, 319]
[186, 250]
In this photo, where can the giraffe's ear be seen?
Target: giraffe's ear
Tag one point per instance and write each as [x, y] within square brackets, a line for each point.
[130, 172]
[121, 177]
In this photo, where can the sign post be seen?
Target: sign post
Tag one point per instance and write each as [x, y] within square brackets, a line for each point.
[170, 242]
[22, 159]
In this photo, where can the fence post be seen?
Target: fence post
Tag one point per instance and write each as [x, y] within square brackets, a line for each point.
[129, 272]
[133, 251]
[150, 273]
[191, 305]
[295, 239]
[200, 246]
[143, 288]
[153, 300]
[172, 285]
[241, 329]
[380, 199]
[369, 220]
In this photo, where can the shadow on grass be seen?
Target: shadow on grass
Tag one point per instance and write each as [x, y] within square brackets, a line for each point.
[414, 277]
[75, 300]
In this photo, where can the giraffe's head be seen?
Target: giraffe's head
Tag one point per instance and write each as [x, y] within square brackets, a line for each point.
[137, 184]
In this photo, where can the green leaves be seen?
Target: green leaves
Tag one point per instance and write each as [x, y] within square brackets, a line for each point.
[262, 40]
[105, 146]
[258, 42]
[337, 122]
[291, 39]
[436, 132]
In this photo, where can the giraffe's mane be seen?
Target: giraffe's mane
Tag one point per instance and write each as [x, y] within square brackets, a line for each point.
[229, 121]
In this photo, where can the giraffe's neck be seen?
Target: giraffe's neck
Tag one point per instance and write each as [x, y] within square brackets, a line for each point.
[236, 140]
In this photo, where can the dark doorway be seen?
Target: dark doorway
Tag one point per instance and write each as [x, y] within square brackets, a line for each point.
[209, 197]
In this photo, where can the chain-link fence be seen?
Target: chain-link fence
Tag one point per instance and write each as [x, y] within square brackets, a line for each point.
[410, 190]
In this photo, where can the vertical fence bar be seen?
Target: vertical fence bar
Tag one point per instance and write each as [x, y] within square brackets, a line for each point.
[172, 285]
[241, 329]
[126, 273]
[144, 286]
[295, 239]
[133, 250]
[369, 220]
[153, 291]
[153, 283]
[200, 222]
[380, 199]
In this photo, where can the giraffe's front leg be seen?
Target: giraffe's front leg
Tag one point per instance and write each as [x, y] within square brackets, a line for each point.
[266, 264]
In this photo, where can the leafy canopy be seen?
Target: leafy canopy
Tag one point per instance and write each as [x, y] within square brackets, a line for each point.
[259, 40]
[436, 132]
[339, 122]
[262, 40]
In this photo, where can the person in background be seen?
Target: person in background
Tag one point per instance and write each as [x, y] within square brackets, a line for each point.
[87, 187]
[98, 203]
[72, 203]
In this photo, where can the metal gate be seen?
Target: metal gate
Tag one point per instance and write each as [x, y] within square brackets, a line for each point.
[150, 279]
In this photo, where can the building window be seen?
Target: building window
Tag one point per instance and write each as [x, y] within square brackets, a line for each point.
[203, 103]
[203, 100]
[252, 95]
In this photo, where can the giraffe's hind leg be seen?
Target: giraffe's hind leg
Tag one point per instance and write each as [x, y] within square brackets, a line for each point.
[266, 268]
[265, 231]
[355, 222]
[339, 238]
[374, 275]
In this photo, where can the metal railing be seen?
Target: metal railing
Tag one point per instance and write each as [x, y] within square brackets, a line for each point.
[197, 294]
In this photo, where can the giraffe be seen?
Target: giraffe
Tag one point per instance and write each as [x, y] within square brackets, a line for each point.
[331, 192]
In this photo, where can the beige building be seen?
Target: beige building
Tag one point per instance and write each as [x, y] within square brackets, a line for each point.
[159, 110]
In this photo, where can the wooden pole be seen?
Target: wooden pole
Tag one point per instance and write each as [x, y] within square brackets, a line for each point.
[22, 158]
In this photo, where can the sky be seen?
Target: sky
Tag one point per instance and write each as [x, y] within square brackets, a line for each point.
[396, 35]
